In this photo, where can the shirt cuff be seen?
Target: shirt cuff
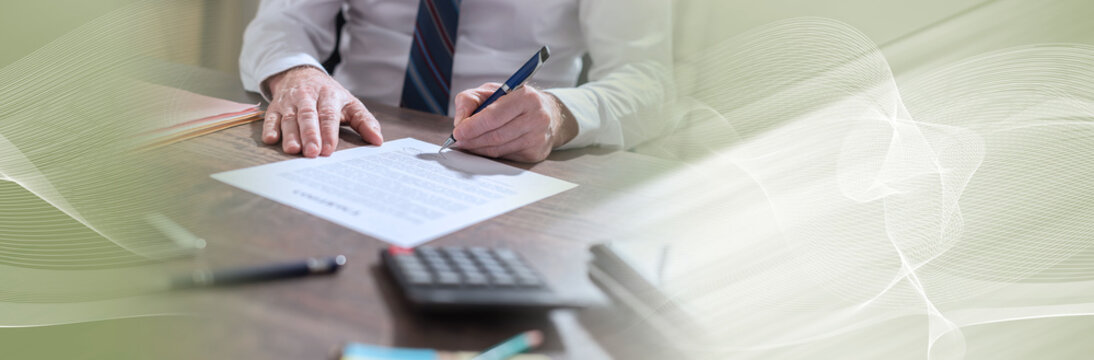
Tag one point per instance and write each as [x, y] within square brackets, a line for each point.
[591, 129]
[271, 68]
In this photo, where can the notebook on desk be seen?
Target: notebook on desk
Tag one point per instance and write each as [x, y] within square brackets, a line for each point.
[179, 115]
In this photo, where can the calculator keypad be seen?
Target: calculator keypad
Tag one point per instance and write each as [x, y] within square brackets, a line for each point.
[465, 267]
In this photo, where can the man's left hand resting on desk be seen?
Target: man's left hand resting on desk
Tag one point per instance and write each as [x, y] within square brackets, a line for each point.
[308, 108]
[522, 126]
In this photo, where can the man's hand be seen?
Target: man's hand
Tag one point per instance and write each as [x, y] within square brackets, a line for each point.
[522, 126]
[307, 110]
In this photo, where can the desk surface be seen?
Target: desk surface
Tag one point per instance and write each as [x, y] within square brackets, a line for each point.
[307, 318]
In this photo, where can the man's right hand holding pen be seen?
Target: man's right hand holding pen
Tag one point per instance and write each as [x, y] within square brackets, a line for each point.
[524, 125]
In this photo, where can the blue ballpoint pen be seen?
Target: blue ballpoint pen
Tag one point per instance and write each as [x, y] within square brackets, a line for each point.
[515, 82]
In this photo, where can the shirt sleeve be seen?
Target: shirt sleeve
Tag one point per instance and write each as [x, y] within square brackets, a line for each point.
[630, 80]
[286, 34]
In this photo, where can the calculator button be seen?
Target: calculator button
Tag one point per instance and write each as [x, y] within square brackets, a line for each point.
[419, 278]
[494, 268]
[513, 262]
[467, 268]
[413, 268]
[463, 260]
[436, 262]
[524, 273]
[489, 263]
[495, 271]
[477, 279]
[515, 266]
[427, 252]
[407, 260]
[448, 278]
[454, 251]
[502, 280]
[528, 281]
[483, 257]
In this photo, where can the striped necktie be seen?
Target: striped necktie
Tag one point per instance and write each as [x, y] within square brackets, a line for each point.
[429, 72]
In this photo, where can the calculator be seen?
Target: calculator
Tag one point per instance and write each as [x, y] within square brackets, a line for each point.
[468, 278]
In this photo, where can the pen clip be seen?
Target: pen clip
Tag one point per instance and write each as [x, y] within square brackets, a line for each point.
[539, 58]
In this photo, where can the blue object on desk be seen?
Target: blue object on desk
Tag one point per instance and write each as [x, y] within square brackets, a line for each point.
[368, 352]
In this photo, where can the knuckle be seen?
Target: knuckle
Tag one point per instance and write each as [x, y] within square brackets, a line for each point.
[359, 116]
[327, 116]
[307, 111]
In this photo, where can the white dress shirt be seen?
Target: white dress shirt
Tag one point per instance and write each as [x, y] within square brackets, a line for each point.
[628, 41]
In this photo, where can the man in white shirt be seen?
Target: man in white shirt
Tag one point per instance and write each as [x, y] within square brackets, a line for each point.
[485, 40]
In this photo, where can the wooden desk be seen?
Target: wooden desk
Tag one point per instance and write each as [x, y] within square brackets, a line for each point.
[307, 318]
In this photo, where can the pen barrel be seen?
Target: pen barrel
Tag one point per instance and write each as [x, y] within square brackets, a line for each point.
[516, 81]
[490, 100]
[270, 272]
[257, 274]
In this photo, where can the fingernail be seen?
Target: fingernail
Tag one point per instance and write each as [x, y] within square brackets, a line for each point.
[311, 150]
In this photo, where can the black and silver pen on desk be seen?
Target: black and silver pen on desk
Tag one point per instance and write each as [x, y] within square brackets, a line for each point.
[515, 82]
[210, 278]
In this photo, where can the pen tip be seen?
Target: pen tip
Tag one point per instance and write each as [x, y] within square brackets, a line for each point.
[447, 143]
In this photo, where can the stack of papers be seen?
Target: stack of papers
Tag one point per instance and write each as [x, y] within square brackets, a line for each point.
[187, 115]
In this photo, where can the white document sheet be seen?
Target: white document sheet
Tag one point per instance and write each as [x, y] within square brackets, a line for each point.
[402, 192]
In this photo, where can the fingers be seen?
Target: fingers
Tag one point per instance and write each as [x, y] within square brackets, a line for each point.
[307, 119]
[362, 121]
[496, 115]
[290, 133]
[330, 119]
[468, 100]
[512, 130]
[529, 147]
[271, 126]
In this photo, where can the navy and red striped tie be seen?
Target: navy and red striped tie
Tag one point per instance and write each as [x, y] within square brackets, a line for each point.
[429, 72]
